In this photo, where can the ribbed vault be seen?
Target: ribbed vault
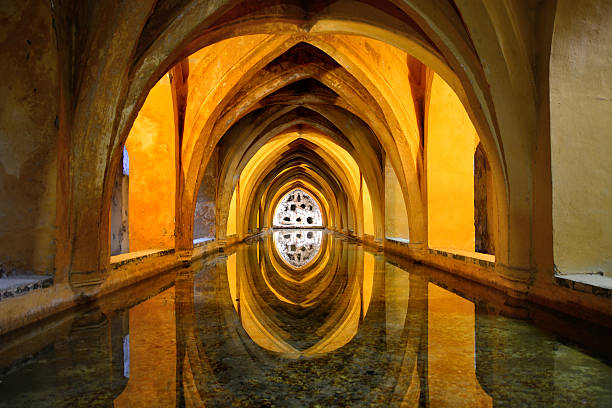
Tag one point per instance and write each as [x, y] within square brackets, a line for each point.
[444, 131]
[357, 72]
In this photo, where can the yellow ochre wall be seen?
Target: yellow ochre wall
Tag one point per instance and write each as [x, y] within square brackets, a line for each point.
[151, 149]
[368, 213]
[450, 143]
[231, 217]
[581, 148]
[396, 216]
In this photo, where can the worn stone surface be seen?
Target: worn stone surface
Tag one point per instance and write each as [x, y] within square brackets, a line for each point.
[580, 134]
[484, 209]
[22, 284]
[29, 91]
[205, 218]
[120, 238]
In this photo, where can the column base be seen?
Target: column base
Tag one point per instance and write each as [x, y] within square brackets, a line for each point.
[518, 280]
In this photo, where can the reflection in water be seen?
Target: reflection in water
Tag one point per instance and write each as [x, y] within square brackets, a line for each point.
[298, 247]
[300, 297]
[250, 329]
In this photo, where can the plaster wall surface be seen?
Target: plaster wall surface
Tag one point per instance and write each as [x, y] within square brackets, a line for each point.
[28, 136]
[151, 147]
[205, 217]
[396, 217]
[450, 143]
[581, 134]
[368, 213]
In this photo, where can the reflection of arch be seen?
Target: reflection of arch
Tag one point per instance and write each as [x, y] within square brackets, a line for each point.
[213, 334]
[335, 293]
[298, 209]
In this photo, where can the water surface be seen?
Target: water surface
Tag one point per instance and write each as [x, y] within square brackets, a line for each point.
[336, 326]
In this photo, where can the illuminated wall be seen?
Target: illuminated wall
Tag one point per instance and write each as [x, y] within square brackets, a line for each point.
[450, 143]
[396, 216]
[231, 218]
[368, 213]
[151, 147]
[581, 148]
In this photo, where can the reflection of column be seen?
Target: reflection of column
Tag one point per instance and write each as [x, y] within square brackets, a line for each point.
[418, 306]
[410, 370]
[152, 379]
[90, 347]
[120, 328]
[183, 307]
[451, 344]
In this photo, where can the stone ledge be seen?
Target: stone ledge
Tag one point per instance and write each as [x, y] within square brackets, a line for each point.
[596, 284]
[125, 270]
[399, 241]
[466, 256]
[14, 286]
[201, 241]
[118, 260]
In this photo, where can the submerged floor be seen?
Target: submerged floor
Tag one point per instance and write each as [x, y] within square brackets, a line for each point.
[305, 319]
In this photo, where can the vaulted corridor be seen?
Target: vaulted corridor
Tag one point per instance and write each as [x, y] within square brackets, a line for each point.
[382, 184]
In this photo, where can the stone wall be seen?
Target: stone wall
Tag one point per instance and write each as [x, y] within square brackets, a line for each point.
[580, 123]
[28, 136]
[483, 234]
[205, 216]
[120, 238]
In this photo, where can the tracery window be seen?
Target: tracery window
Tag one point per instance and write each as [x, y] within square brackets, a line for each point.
[298, 209]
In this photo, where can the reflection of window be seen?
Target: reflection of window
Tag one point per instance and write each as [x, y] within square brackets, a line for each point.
[299, 247]
[298, 209]
[126, 356]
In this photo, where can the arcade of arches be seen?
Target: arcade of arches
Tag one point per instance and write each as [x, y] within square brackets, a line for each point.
[472, 136]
